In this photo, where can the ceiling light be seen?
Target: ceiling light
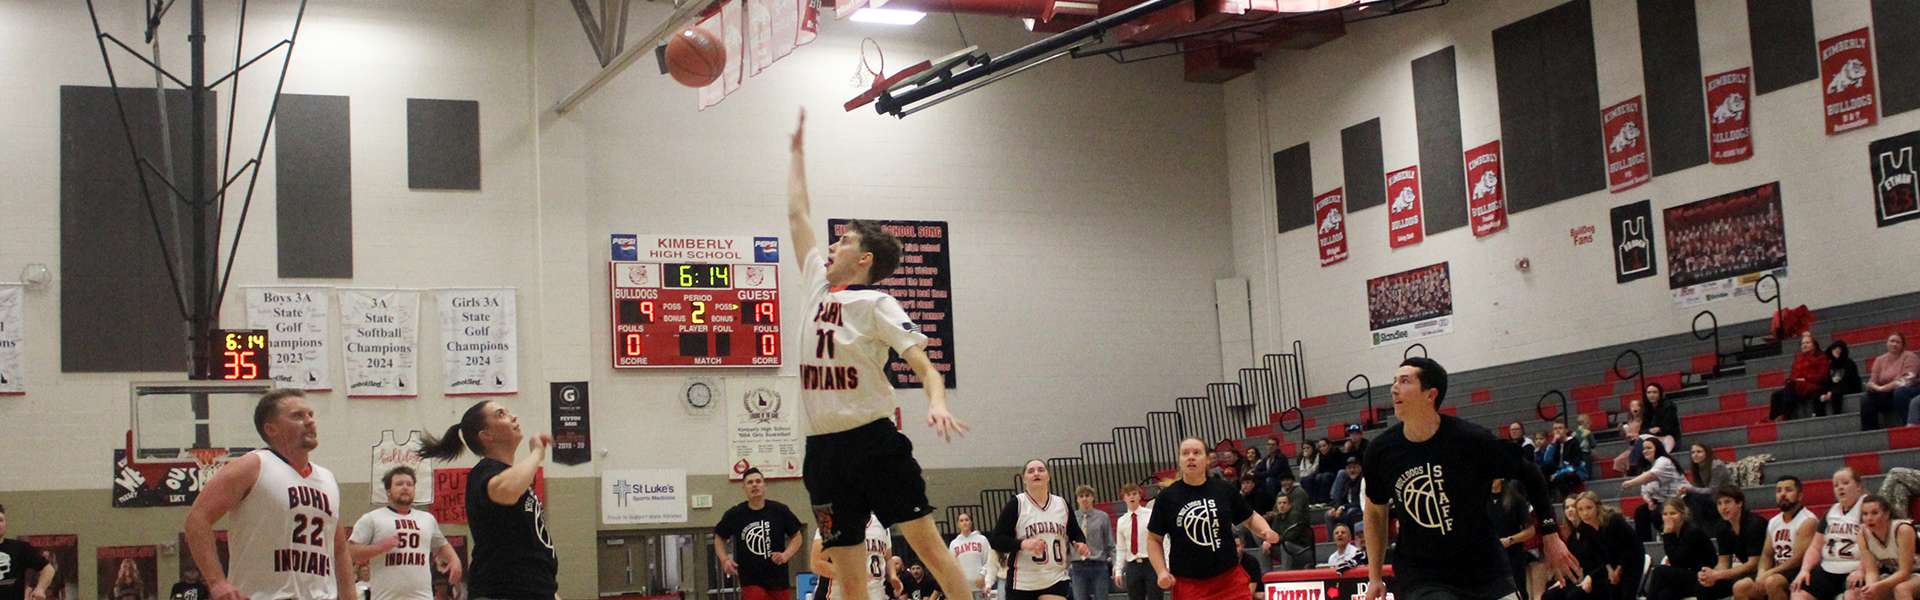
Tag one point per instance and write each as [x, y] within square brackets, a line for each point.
[888, 16]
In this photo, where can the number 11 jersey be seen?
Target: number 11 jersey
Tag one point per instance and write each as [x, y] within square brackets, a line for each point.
[843, 357]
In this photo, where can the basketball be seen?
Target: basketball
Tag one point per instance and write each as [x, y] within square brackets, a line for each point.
[695, 57]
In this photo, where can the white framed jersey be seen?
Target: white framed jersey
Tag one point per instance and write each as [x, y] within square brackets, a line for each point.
[406, 571]
[283, 533]
[844, 352]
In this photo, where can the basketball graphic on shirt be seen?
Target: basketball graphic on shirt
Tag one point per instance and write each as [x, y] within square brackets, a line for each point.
[757, 536]
[1422, 495]
[1198, 519]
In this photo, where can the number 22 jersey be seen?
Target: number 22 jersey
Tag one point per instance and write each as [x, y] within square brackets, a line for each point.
[284, 531]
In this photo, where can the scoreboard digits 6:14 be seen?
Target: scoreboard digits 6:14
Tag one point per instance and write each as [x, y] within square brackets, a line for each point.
[694, 302]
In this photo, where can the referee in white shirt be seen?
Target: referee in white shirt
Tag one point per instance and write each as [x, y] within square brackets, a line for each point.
[1131, 571]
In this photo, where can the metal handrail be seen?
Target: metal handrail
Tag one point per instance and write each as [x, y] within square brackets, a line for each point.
[1408, 353]
[1639, 368]
[1366, 391]
[1712, 333]
[1299, 420]
[1540, 407]
[1778, 303]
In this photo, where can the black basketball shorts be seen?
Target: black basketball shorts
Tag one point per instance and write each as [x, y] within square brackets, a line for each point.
[867, 470]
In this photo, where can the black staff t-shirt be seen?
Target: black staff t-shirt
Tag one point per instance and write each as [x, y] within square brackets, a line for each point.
[1199, 520]
[1438, 490]
[513, 556]
[19, 558]
[756, 536]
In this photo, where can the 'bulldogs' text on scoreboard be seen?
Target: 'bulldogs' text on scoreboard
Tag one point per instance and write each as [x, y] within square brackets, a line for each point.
[695, 301]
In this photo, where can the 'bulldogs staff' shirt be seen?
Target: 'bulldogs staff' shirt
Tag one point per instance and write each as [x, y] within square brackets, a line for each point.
[843, 376]
[756, 535]
[1198, 521]
[1438, 490]
[513, 556]
[16, 558]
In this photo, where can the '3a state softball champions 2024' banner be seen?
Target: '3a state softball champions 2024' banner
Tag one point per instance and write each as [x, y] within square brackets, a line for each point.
[1410, 305]
[380, 335]
[1846, 68]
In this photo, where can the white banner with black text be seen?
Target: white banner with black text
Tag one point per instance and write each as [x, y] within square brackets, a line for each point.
[380, 331]
[296, 320]
[478, 329]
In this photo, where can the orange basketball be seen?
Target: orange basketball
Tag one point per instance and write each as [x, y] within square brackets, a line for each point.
[695, 57]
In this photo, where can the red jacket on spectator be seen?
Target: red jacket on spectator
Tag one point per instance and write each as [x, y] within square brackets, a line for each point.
[1809, 375]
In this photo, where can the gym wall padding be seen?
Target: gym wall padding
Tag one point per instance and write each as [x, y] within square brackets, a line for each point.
[1363, 166]
[443, 144]
[1293, 187]
[313, 182]
[1436, 112]
[118, 311]
[1676, 96]
[1781, 34]
[1896, 45]
[1549, 106]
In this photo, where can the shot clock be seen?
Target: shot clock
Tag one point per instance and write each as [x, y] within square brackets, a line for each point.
[695, 301]
[238, 355]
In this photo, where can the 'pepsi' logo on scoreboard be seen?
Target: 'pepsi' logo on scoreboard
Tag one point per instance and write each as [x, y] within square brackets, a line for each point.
[626, 246]
[766, 249]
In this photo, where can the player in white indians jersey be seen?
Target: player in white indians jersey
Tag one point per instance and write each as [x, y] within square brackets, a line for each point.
[857, 463]
[1886, 560]
[1038, 529]
[402, 546]
[1788, 534]
[971, 549]
[875, 565]
[285, 532]
[1824, 575]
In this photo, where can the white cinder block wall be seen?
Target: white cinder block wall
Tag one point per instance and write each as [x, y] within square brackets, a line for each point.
[1569, 300]
[1087, 202]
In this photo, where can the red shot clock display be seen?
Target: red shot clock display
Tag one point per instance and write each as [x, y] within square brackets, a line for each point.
[695, 301]
[238, 355]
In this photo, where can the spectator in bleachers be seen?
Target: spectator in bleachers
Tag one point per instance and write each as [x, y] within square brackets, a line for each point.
[1632, 428]
[1226, 462]
[1705, 475]
[1805, 381]
[1268, 469]
[1563, 459]
[1611, 558]
[1843, 377]
[1346, 553]
[1689, 552]
[1892, 384]
[1742, 536]
[1308, 463]
[1332, 460]
[1346, 497]
[1295, 550]
[1512, 520]
[1789, 534]
[1662, 416]
[1293, 492]
[1355, 444]
[1259, 499]
[1663, 481]
[1886, 558]
[1522, 445]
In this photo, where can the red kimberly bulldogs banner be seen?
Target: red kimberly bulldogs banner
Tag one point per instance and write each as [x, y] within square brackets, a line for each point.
[1729, 125]
[1330, 212]
[1405, 227]
[1846, 65]
[1625, 128]
[1486, 190]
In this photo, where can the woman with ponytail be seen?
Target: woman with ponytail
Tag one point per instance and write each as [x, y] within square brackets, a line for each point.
[513, 557]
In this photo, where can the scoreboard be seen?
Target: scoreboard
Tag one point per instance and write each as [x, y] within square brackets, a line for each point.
[695, 301]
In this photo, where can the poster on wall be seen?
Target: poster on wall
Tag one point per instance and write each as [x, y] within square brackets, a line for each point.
[480, 328]
[380, 334]
[1633, 255]
[1486, 190]
[392, 452]
[298, 321]
[62, 552]
[1846, 67]
[1330, 211]
[763, 427]
[13, 351]
[643, 496]
[1896, 185]
[1717, 247]
[1625, 129]
[450, 493]
[221, 548]
[1729, 127]
[1405, 226]
[127, 572]
[1410, 305]
[572, 426]
[924, 287]
[155, 482]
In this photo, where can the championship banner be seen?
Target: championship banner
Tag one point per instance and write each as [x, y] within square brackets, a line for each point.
[1486, 190]
[1410, 305]
[572, 428]
[127, 572]
[450, 493]
[1404, 224]
[391, 452]
[1717, 247]
[924, 286]
[13, 351]
[297, 320]
[1330, 211]
[380, 331]
[763, 425]
[1625, 128]
[1846, 65]
[1729, 126]
[480, 330]
[1633, 255]
[643, 496]
[1896, 187]
[63, 553]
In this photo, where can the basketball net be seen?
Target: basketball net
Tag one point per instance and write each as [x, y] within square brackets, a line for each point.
[210, 461]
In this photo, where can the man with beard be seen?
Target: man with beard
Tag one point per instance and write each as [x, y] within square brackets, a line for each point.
[403, 546]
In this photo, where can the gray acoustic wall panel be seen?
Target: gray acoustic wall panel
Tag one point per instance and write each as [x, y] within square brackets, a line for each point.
[1676, 97]
[443, 144]
[1293, 187]
[1549, 106]
[1436, 112]
[314, 187]
[1896, 41]
[1363, 168]
[1781, 35]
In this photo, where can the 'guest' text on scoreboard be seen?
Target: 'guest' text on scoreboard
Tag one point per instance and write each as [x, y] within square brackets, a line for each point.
[695, 301]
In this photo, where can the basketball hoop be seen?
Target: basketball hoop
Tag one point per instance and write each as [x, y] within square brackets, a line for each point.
[210, 461]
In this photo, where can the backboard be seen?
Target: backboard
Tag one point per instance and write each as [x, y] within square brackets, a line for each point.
[167, 420]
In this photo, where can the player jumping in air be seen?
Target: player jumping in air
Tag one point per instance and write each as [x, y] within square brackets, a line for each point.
[857, 463]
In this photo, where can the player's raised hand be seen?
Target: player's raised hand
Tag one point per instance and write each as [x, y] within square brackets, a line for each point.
[800, 133]
[944, 423]
[539, 441]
